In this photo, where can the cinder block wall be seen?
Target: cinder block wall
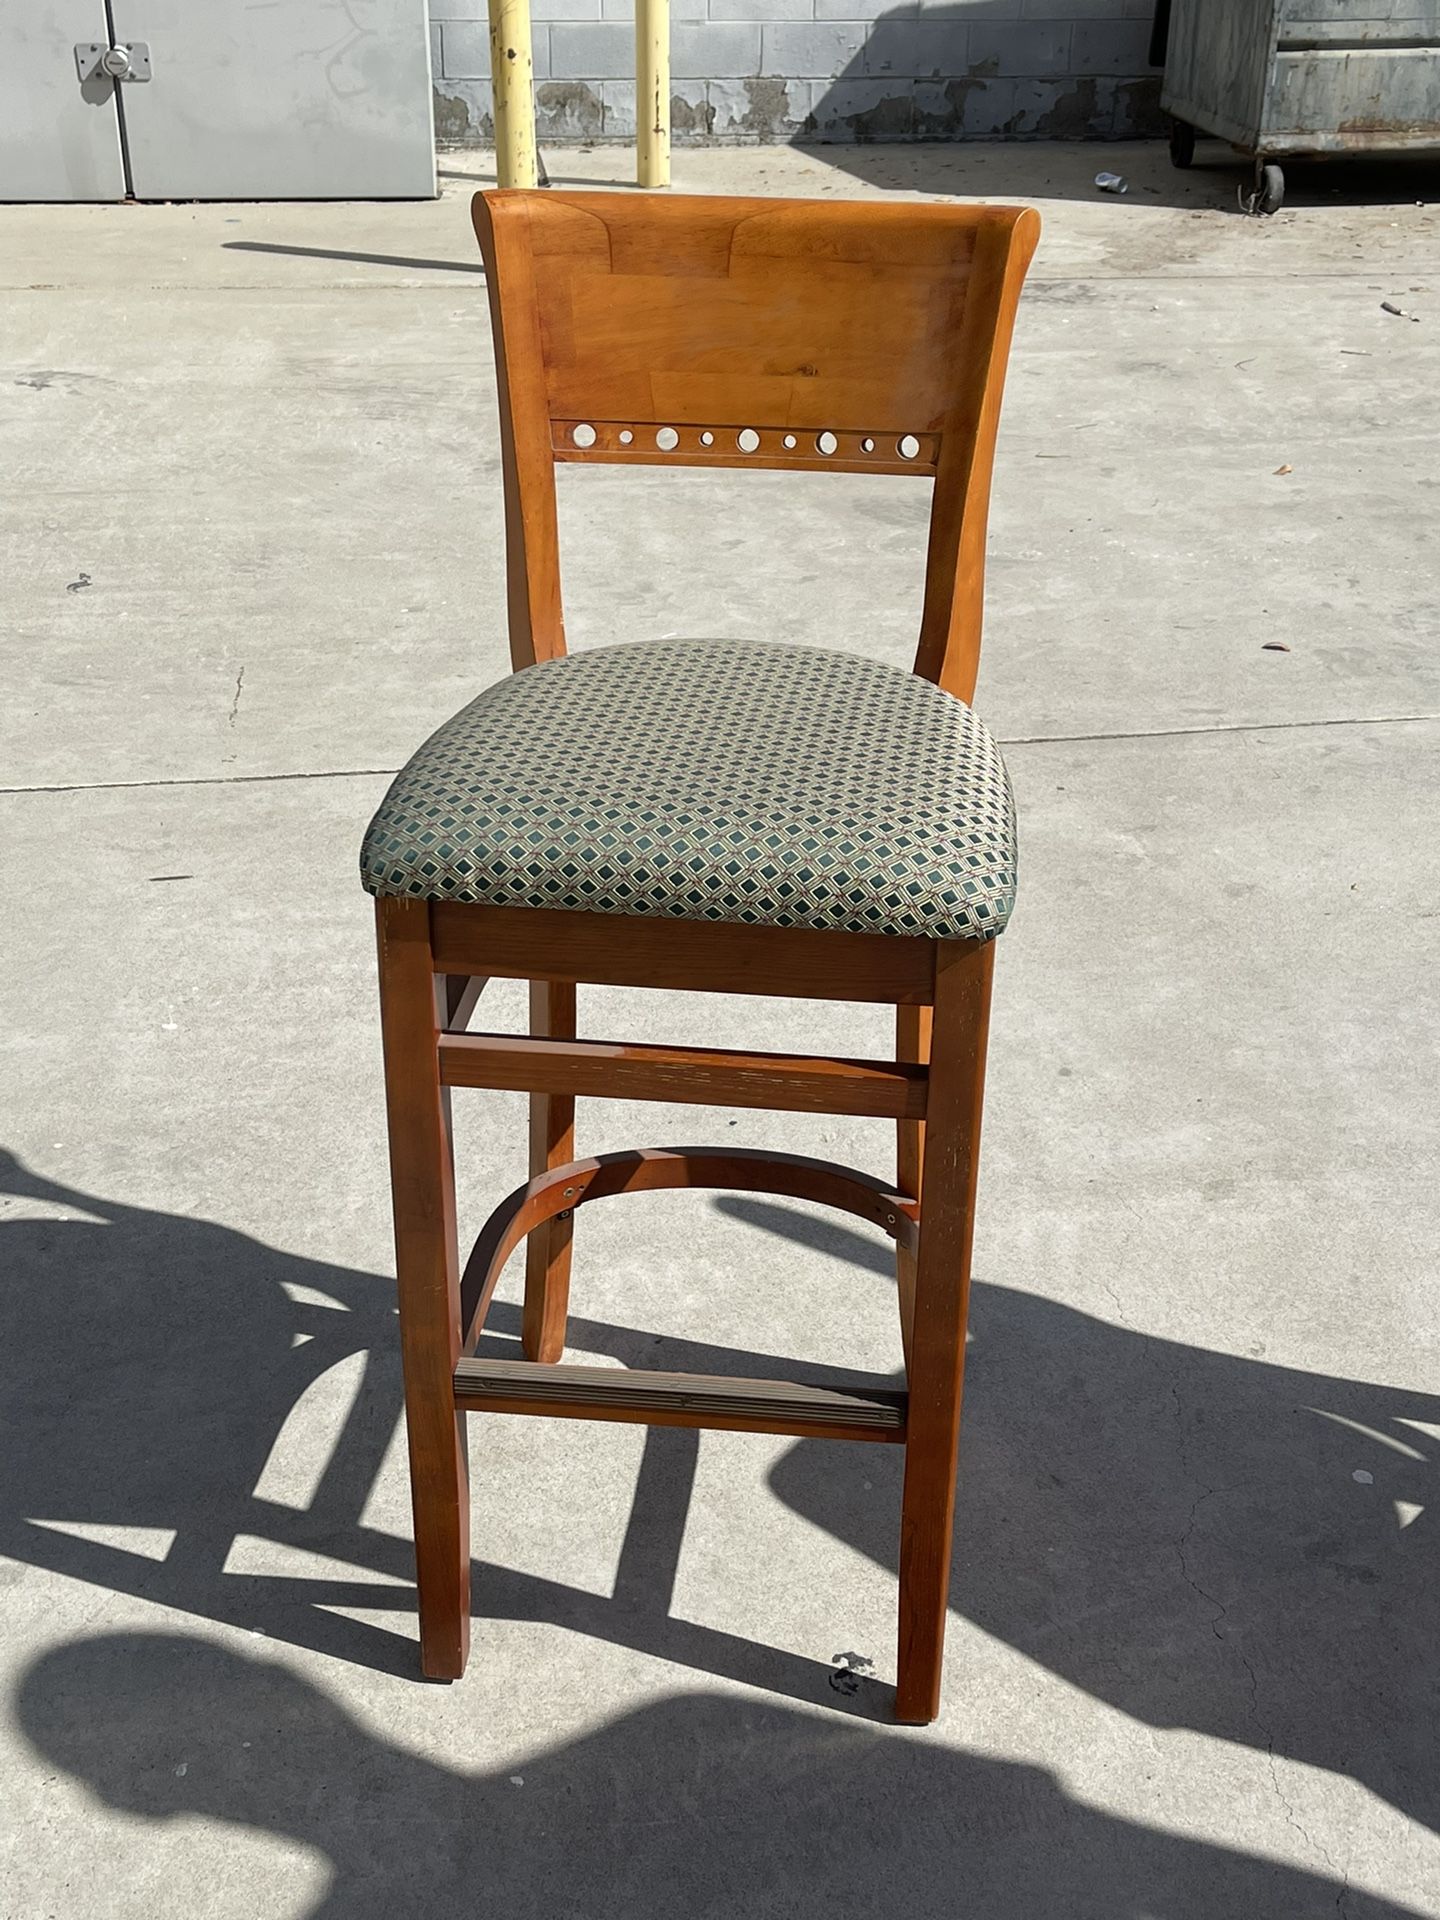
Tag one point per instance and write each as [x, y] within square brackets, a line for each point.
[841, 70]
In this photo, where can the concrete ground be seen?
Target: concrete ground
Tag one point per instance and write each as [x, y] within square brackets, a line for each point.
[252, 555]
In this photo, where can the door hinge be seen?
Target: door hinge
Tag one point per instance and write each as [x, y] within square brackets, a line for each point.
[94, 60]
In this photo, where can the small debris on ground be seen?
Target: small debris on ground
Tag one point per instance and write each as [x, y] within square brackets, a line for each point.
[1287, 468]
[1400, 313]
[848, 1670]
[79, 585]
[1273, 646]
[1112, 183]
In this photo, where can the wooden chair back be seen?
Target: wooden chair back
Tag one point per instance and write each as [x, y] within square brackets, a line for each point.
[699, 330]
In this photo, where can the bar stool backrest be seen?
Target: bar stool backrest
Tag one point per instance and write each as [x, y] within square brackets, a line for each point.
[700, 330]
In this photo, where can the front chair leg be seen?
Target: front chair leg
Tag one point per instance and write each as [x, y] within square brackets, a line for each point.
[413, 1005]
[552, 1143]
[936, 1356]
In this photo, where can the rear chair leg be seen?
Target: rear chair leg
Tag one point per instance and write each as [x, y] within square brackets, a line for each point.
[552, 1143]
[936, 1359]
[427, 1264]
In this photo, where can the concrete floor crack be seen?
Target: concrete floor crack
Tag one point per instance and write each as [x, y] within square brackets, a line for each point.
[1342, 1897]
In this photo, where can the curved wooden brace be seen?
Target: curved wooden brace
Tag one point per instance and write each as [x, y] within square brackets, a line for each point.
[645, 1169]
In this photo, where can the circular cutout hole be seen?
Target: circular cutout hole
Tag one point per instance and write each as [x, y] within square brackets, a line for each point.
[867, 446]
[583, 435]
[707, 439]
[747, 440]
[826, 442]
[626, 436]
[789, 439]
[908, 447]
[667, 439]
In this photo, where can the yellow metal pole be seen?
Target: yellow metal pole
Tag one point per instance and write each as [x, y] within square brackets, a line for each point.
[652, 92]
[512, 74]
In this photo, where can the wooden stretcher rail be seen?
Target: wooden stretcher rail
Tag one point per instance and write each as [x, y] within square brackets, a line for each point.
[696, 1076]
[696, 956]
[680, 1400]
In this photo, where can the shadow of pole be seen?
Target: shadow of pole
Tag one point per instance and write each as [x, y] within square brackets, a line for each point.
[364, 259]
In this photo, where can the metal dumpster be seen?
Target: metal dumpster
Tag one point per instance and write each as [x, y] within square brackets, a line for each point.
[1282, 78]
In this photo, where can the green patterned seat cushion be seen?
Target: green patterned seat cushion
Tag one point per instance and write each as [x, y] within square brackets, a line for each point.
[710, 780]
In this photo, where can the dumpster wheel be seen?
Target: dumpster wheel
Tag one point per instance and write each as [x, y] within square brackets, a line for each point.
[1269, 191]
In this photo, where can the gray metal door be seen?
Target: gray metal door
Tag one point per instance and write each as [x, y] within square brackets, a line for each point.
[59, 136]
[279, 100]
[226, 100]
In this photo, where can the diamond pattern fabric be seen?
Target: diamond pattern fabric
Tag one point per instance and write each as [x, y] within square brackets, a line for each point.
[719, 780]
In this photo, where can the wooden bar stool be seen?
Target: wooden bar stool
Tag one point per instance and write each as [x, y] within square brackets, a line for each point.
[724, 816]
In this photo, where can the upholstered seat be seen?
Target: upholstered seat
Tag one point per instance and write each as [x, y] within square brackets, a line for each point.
[710, 780]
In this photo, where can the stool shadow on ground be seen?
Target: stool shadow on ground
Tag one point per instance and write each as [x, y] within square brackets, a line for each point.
[1178, 1532]
[150, 1363]
[1201, 1540]
[708, 1807]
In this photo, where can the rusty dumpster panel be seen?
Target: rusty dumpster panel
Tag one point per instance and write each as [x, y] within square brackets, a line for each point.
[1278, 77]
[1334, 98]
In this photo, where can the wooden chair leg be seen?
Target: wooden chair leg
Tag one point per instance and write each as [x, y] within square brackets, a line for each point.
[912, 1043]
[427, 1263]
[552, 1144]
[937, 1341]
